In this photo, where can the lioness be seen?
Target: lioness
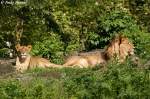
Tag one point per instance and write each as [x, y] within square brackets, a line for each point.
[25, 61]
[119, 47]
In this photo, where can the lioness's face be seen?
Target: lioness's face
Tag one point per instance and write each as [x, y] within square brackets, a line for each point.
[23, 51]
[129, 46]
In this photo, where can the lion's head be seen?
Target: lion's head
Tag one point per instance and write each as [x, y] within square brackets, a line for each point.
[129, 47]
[126, 48]
[120, 47]
[23, 51]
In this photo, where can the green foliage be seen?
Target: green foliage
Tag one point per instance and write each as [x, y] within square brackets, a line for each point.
[59, 27]
[140, 10]
[118, 81]
[111, 23]
[79, 24]
[4, 52]
[50, 47]
[12, 90]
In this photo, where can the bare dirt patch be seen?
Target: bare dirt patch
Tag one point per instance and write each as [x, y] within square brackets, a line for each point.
[6, 66]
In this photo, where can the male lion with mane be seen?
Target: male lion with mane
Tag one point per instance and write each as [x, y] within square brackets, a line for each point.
[126, 48]
[120, 47]
[25, 61]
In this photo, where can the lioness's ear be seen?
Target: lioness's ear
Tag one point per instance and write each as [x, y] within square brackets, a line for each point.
[29, 47]
[17, 47]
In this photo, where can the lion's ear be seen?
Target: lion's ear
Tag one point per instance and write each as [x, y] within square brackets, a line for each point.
[17, 47]
[29, 47]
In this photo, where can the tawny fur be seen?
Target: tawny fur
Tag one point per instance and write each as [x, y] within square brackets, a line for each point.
[112, 50]
[85, 60]
[25, 61]
[119, 48]
[94, 58]
[73, 61]
[126, 49]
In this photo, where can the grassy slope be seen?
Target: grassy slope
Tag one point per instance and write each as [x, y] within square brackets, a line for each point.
[118, 81]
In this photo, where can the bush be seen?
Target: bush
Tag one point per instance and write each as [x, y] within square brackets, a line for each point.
[81, 25]
[118, 81]
[4, 53]
[50, 47]
[119, 21]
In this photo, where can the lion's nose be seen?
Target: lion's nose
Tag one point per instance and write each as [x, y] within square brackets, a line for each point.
[131, 53]
[23, 53]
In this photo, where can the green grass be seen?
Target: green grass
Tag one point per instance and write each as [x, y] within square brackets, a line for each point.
[117, 82]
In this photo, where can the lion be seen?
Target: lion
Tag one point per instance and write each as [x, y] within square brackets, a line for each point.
[112, 50]
[120, 47]
[85, 60]
[94, 58]
[25, 61]
[74, 61]
[126, 49]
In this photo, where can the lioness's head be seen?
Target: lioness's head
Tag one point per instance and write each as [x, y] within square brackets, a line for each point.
[23, 51]
[129, 47]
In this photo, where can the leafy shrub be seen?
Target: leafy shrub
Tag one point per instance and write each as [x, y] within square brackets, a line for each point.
[11, 89]
[4, 53]
[119, 21]
[118, 81]
[79, 24]
[51, 47]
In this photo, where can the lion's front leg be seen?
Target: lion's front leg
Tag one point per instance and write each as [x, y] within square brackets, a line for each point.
[18, 68]
[21, 68]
